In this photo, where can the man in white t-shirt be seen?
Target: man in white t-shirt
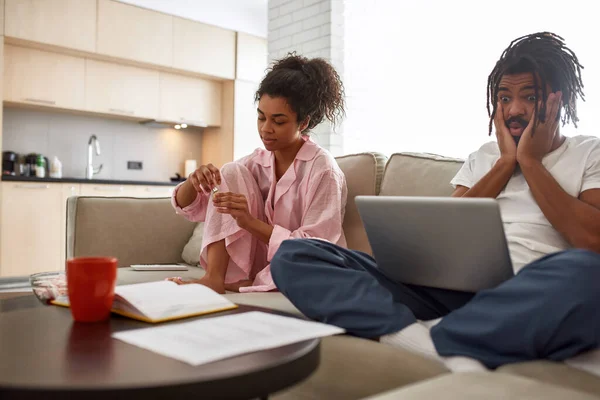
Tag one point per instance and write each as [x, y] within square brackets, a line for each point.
[548, 189]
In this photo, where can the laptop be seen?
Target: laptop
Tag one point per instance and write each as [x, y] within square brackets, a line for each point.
[442, 242]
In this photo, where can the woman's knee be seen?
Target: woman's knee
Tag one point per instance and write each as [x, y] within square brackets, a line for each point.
[233, 170]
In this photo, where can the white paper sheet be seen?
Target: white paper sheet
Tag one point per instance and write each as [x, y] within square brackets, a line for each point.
[207, 340]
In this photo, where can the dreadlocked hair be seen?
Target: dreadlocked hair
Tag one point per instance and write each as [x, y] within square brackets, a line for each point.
[545, 55]
[312, 88]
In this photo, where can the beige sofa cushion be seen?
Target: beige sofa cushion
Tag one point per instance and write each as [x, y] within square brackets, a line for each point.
[363, 176]
[136, 231]
[482, 385]
[555, 373]
[271, 300]
[353, 368]
[410, 174]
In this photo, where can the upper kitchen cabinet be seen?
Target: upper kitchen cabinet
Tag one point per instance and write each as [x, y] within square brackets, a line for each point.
[64, 23]
[43, 78]
[134, 33]
[252, 56]
[184, 98]
[2, 17]
[120, 89]
[203, 48]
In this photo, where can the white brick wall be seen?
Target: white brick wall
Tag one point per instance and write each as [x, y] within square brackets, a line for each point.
[313, 28]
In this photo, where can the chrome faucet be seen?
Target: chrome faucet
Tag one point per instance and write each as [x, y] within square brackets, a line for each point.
[90, 171]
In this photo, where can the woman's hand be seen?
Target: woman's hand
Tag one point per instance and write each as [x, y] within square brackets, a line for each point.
[236, 205]
[205, 178]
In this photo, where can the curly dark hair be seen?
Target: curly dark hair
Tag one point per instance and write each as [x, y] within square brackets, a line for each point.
[312, 88]
[546, 56]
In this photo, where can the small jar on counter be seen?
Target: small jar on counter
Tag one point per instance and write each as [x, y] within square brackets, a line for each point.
[40, 167]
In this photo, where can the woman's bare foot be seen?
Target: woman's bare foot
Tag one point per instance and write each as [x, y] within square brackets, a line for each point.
[235, 287]
[214, 284]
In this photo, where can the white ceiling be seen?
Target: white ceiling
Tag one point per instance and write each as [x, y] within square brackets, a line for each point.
[249, 16]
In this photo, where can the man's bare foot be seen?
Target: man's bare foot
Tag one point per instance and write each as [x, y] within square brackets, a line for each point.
[235, 287]
[214, 284]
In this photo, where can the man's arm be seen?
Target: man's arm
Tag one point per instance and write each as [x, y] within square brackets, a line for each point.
[577, 219]
[492, 183]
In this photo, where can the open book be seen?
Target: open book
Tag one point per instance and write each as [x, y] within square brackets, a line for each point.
[163, 301]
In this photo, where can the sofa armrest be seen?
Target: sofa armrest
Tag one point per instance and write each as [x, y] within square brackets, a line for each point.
[136, 231]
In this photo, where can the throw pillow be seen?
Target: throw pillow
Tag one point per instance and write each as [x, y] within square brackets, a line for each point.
[191, 251]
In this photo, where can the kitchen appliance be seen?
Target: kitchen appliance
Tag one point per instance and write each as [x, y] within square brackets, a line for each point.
[9, 162]
[31, 165]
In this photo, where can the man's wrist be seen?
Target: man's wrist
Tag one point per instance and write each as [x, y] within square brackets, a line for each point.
[507, 163]
[529, 162]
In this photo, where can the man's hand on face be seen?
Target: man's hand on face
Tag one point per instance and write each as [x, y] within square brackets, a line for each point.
[536, 142]
[508, 147]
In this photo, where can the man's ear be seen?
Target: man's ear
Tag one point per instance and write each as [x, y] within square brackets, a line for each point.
[302, 127]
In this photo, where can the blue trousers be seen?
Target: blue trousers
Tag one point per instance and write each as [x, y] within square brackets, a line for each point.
[549, 310]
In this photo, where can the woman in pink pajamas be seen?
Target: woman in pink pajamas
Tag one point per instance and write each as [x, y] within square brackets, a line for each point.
[290, 189]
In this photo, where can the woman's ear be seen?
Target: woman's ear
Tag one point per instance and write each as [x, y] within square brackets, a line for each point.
[302, 127]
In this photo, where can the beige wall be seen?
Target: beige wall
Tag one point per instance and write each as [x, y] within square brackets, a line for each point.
[217, 144]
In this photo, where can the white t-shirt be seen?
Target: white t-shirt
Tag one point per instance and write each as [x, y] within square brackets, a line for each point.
[576, 167]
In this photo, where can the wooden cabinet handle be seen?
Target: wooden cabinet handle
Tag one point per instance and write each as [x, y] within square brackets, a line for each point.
[121, 111]
[103, 189]
[32, 186]
[32, 100]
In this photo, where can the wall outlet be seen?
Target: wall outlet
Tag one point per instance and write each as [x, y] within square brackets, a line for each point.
[134, 165]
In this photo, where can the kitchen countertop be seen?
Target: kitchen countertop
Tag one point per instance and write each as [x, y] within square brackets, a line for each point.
[9, 178]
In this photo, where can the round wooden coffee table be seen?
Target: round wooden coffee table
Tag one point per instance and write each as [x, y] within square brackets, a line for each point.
[46, 355]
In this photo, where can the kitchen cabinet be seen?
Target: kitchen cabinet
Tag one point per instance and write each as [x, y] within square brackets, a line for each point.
[121, 89]
[34, 218]
[1, 82]
[65, 23]
[43, 78]
[31, 238]
[2, 17]
[193, 99]
[134, 33]
[155, 191]
[251, 57]
[203, 48]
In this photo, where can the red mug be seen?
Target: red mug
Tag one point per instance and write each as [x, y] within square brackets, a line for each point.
[91, 287]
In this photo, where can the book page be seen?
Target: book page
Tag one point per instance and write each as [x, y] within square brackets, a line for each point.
[165, 299]
[211, 339]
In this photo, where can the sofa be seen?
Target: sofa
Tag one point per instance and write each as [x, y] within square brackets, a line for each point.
[143, 231]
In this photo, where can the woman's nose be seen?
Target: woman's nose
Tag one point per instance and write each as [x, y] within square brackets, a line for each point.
[267, 126]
